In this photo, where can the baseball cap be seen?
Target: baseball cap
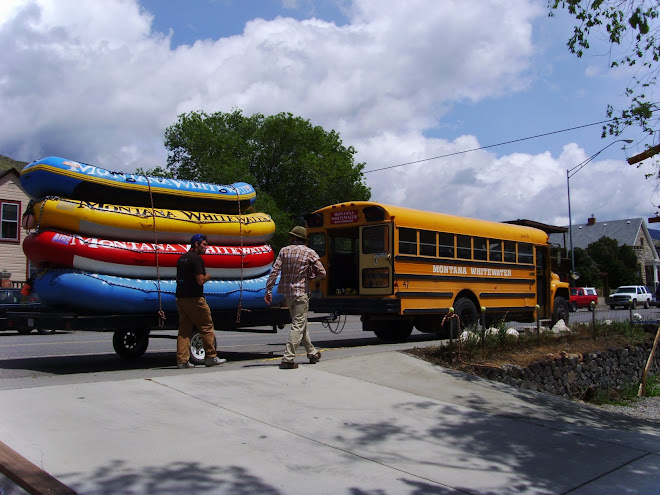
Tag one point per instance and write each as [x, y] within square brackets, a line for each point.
[197, 238]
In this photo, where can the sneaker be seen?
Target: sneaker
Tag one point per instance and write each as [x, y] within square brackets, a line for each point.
[187, 364]
[288, 365]
[314, 358]
[214, 361]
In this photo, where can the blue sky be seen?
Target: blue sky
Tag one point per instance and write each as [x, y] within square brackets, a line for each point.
[400, 81]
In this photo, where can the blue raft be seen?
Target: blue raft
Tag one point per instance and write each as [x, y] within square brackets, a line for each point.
[53, 176]
[85, 291]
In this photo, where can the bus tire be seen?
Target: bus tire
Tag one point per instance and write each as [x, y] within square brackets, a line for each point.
[197, 352]
[130, 343]
[560, 310]
[394, 331]
[467, 312]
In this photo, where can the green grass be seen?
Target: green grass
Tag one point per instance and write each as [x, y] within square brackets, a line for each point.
[626, 396]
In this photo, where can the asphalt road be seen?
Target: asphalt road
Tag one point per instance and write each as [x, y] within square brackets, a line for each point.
[66, 357]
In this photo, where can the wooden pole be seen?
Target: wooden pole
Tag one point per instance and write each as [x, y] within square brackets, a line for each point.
[642, 386]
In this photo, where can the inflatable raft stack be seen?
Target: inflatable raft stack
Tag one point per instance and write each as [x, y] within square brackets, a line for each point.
[109, 241]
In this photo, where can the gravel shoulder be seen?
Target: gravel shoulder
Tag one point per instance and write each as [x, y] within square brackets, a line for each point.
[643, 408]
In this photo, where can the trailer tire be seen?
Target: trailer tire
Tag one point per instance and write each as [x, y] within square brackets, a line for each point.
[24, 331]
[197, 352]
[45, 331]
[130, 343]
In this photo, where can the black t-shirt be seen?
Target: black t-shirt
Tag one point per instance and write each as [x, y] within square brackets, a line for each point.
[187, 267]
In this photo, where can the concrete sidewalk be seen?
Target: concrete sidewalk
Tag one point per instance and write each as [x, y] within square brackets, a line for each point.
[379, 424]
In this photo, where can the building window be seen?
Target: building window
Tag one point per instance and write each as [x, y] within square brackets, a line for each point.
[10, 220]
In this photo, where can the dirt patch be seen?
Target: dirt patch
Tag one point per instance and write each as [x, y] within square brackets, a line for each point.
[523, 356]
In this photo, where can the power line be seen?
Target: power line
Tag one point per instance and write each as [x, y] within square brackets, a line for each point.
[486, 147]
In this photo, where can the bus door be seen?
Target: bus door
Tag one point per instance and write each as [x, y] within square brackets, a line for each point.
[375, 259]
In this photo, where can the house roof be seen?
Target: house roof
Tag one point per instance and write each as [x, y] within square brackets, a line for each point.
[623, 231]
[10, 171]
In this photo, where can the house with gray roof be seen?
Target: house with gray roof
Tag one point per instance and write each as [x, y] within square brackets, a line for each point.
[633, 231]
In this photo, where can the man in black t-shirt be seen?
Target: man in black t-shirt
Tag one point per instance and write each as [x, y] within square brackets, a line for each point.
[191, 304]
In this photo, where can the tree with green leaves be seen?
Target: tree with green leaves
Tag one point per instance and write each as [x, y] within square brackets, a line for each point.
[619, 262]
[630, 28]
[294, 166]
[587, 268]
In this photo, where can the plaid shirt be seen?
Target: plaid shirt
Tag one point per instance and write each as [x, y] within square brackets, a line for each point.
[298, 264]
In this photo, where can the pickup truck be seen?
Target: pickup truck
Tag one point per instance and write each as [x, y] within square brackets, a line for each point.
[582, 297]
[629, 296]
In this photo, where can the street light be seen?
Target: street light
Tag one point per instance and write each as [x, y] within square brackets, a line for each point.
[570, 173]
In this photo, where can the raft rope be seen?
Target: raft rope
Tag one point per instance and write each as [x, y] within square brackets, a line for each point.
[240, 231]
[161, 313]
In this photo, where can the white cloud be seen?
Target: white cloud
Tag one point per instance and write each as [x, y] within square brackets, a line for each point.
[91, 81]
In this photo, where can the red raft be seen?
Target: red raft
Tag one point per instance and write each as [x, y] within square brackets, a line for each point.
[49, 248]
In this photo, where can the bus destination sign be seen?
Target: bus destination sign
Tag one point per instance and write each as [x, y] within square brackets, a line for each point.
[349, 216]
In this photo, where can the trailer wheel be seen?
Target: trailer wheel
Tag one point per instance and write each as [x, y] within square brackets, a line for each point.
[24, 331]
[197, 352]
[45, 331]
[130, 343]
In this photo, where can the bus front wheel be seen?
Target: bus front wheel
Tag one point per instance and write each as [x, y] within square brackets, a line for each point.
[560, 310]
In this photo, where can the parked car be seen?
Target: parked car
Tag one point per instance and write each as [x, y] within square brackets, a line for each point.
[11, 299]
[629, 296]
[582, 297]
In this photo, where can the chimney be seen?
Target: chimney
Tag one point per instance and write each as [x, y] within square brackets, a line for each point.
[591, 220]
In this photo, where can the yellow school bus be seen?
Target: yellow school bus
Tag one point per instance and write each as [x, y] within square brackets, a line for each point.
[401, 268]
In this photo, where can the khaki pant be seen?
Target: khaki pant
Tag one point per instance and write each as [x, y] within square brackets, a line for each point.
[194, 311]
[298, 307]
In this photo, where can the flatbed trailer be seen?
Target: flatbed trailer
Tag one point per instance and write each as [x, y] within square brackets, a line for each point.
[132, 332]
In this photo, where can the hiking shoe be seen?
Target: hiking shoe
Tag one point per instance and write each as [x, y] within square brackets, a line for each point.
[314, 358]
[187, 364]
[288, 365]
[214, 361]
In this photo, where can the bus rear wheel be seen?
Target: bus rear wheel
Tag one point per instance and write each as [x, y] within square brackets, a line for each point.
[467, 312]
[394, 331]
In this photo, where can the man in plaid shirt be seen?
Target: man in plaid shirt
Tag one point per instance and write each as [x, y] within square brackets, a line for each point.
[298, 264]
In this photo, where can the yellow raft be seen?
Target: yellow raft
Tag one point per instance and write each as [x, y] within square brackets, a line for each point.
[132, 223]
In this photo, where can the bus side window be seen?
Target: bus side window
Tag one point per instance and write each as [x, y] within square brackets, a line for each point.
[495, 250]
[464, 243]
[446, 245]
[480, 248]
[525, 253]
[509, 251]
[427, 243]
[407, 241]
